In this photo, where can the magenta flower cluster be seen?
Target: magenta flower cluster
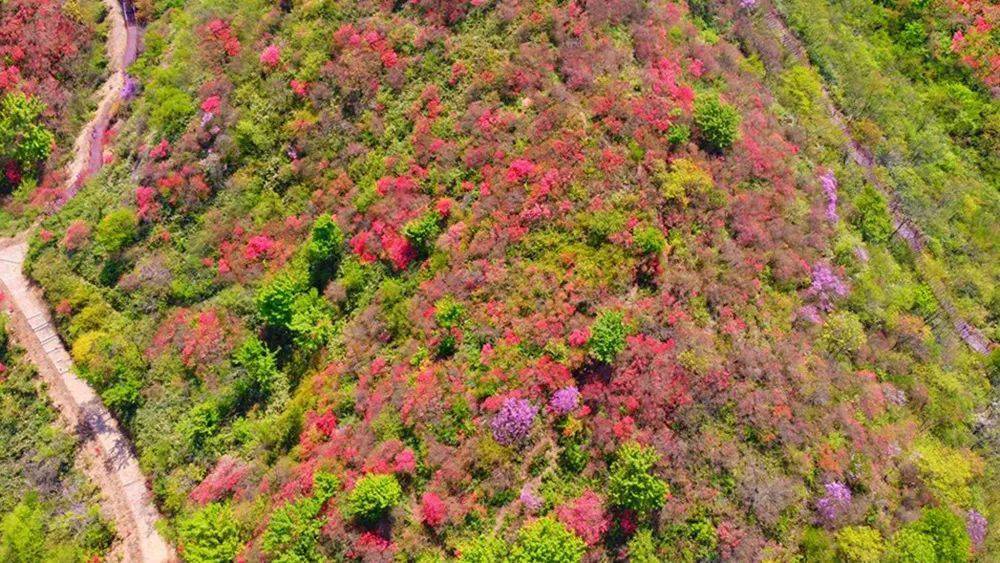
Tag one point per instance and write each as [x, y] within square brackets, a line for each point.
[834, 503]
[565, 400]
[513, 423]
[829, 183]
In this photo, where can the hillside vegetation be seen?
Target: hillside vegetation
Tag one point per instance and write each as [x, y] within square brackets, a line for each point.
[499, 280]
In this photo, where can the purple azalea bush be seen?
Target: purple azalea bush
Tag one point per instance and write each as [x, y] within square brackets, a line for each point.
[513, 423]
[565, 400]
[834, 503]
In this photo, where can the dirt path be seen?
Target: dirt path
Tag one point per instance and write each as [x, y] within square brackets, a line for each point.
[107, 455]
[903, 226]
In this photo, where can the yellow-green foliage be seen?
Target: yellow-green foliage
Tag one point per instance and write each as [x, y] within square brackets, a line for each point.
[860, 544]
[682, 181]
[946, 471]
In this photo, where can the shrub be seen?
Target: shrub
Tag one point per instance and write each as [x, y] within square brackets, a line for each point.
[117, 229]
[649, 240]
[373, 495]
[324, 251]
[22, 533]
[293, 531]
[642, 549]
[513, 423]
[718, 123]
[843, 333]
[678, 134]
[631, 485]
[860, 544]
[608, 336]
[547, 541]
[947, 533]
[484, 549]
[275, 300]
[911, 545]
[685, 179]
[872, 216]
[210, 535]
[23, 139]
[423, 231]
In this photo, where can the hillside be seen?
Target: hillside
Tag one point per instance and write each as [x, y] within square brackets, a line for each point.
[553, 281]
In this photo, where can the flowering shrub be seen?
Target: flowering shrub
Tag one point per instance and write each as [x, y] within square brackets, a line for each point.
[585, 517]
[565, 400]
[834, 503]
[513, 422]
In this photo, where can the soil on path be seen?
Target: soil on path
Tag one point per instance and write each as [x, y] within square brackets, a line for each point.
[107, 454]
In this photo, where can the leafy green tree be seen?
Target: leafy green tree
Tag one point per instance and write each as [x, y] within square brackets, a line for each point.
[292, 533]
[631, 484]
[843, 333]
[608, 336]
[649, 240]
[117, 229]
[275, 300]
[872, 216]
[946, 532]
[311, 321]
[22, 533]
[423, 231]
[547, 541]
[718, 122]
[373, 495]
[909, 544]
[324, 251]
[23, 138]
[261, 379]
[483, 549]
[860, 544]
[642, 548]
[210, 535]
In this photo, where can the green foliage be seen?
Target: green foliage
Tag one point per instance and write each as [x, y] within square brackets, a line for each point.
[372, 496]
[275, 300]
[117, 230]
[843, 333]
[678, 134]
[946, 472]
[718, 122]
[649, 240]
[817, 546]
[631, 483]
[547, 541]
[22, 533]
[23, 138]
[262, 380]
[860, 544]
[872, 216]
[171, 109]
[210, 535]
[311, 320]
[608, 334]
[292, 534]
[483, 549]
[324, 251]
[685, 180]
[423, 231]
[909, 545]
[642, 548]
[946, 532]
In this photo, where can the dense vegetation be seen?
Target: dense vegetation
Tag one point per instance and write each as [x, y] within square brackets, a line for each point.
[542, 281]
[48, 509]
[51, 59]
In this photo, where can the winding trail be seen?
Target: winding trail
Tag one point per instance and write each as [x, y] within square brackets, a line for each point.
[905, 228]
[114, 466]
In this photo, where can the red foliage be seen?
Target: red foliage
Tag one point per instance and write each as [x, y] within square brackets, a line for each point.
[224, 479]
[433, 511]
[585, 516]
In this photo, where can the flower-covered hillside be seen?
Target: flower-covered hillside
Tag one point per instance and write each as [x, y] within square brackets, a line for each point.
[51, 59]
[503, 280]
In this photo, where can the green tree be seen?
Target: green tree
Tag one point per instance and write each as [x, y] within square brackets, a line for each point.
[631, 484]
[325, 249]
[293, 530]
[210, 535]
[718, 122]
[23, 138]
[483, 549]
[423, 231]
[642, 548]
[117, 229]
[22, 533]
[872, 216]
[547, 541]
[372, 496]
[910, 545]
[275, 300]
[608, 336]
[946, 532]
[860, 544]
